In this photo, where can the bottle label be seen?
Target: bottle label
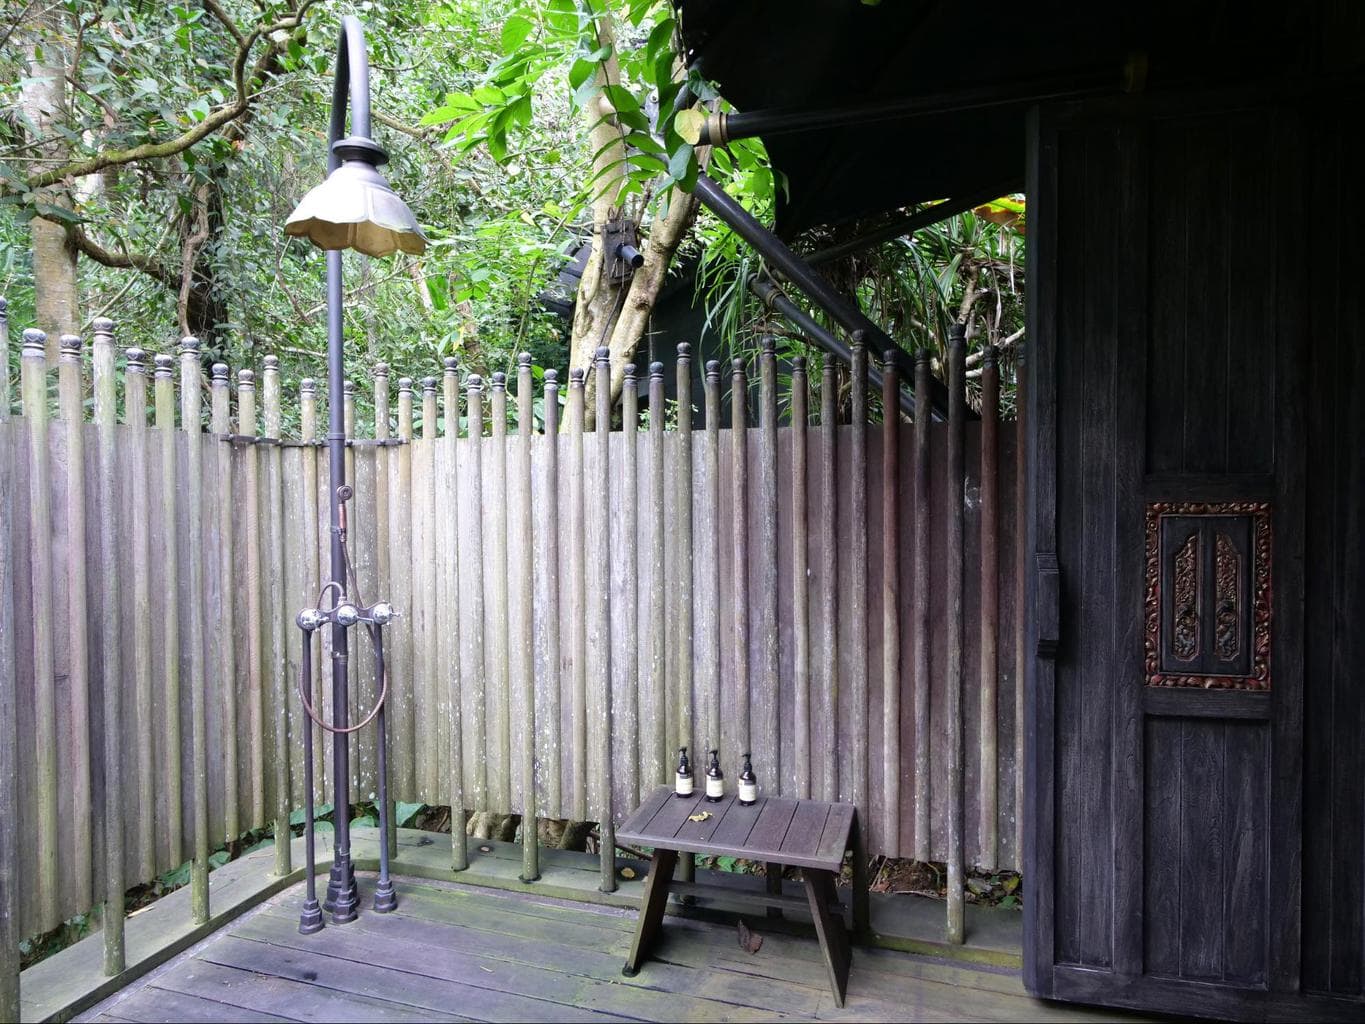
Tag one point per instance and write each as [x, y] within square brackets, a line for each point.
[715, 788]
[683, 785]
[748, 792]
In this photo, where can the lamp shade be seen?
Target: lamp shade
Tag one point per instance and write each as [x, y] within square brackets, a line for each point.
[356, 209]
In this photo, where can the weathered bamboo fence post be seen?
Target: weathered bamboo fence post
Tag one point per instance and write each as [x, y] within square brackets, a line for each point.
[601, 625]
[990, 606]
[450, 616]
[578, 650]
[353, 665]
[891, 606]
[629, 613]
[920, 622]
[171, 769]
[800, 584]
[472, 664]
[708, 627]
[221, 425]
[1020, 570]
[246, 428]
[9, 734]
[857, 790]
[430, 603]
[312, 557]
[279, 691]
[190, 401]
[525, 654]
[957, 415]
[135, 418]
[495, 510]
[827, 706]
[383, 537]
[111, 685]
[739, 552]
[77, 638]
[768, 738]
[551, 770]
[406, 595]
[656, 735]
[683, 513]
[33, 372]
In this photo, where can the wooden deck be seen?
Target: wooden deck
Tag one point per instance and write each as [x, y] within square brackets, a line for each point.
[456, 952]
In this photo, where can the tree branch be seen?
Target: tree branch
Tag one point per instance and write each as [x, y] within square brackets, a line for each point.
[149, 265]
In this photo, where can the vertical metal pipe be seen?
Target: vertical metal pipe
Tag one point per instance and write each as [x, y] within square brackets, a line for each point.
[800, 585]
[384, 898]
[957, 414]
[920, 622]
[310, 920]
[353, 514]
[10, 888]
[495, 511]
[170, 626]
[739, 553]
[308, 423]
[990, 607]
[827, 706]
[135, 417]
[525, 629]
[709, 630]
[891, 607]
[857, 790]
[77, 640]
[1020, 570]
[190, 401]
[602, 625]
[33, 382]
[423, 555]
[472, 663]
[111, 688]
[549, 532]
[767, 739]
[450, 615]
[628, 614]
[578, 652]
[275, 607]
[656, 738]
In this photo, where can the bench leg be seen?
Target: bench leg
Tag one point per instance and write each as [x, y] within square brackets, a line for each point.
[651, 908]
[829, 927]
[773, 877]
[861, 921]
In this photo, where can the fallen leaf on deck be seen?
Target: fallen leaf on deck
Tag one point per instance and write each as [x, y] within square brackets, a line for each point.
[749, 941]
[627, 873]
[699, 817]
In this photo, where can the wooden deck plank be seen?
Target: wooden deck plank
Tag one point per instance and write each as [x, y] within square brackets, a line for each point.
[162, 1004]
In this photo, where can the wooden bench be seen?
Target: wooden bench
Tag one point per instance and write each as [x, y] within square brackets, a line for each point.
[812, 835]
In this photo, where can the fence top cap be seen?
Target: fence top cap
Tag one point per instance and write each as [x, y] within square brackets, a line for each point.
[737, 365]
[102, 325]
[246, 378]
[190, 343]
[499, 380]
[524, 359]
[474, 382]
[4, 306]
[769, 344]
[348, 387]
[272, 362]
[630, 371]
[34, 341]
[603, 354]
[656, 370]
[164, 362]
[799, 363]
[220, 373]
[684, 350]
[404, 383]
[957, 332]
[136, 357]
[429, 384]
[308, 385]
[381, 369]
[552, 378]
[451, 364]
[923, 356]
[988, 355]
[71, 345]
[576, 376]
[712, 368]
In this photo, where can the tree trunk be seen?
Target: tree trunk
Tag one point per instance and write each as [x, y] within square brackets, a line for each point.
[43, 98]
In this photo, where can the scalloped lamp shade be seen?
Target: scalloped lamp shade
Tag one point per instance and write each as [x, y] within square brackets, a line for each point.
[356, 209]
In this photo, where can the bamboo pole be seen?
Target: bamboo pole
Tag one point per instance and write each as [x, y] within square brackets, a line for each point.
[383, 561]
[578, 711]
[990, 608]
[767, 738]
[450, 615]
[891, 625]
[1021, 442]
[406, 594]
[472, 663]
[656, 738]
[739, 555]
[708, 626]
[246, 427]
[495, 510]
[190, 400]
[33, 384]
[525, 628]
[275, 613]
[10, 932]
[826, 709]
[683, 531]
[601, 621]
[77, 637]
[628, 614]
[920, 622]
[800, 584]
[135, 417]
[111, 639]
[549, 532]
[5, 397]
[857, 790]
[957, 407]
[354, 664]
[425, 556]
[172, 766]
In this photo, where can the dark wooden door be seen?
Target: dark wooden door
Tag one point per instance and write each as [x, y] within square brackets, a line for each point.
[1169, 301]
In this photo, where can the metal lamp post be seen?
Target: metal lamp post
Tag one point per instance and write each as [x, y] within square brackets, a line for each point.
[354, 208]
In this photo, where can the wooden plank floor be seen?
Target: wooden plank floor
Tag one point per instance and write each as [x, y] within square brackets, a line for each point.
[454, 952]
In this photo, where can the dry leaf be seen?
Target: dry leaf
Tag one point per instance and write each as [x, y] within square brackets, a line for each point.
[749, 941]
[627, 873]
[699, 817]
